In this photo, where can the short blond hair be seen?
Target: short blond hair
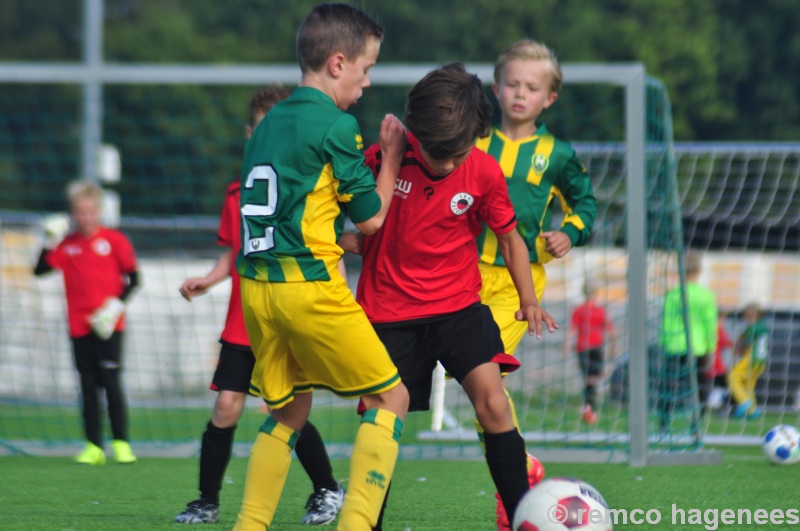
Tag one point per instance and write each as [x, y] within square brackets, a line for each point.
[530, 50]
[81, 189]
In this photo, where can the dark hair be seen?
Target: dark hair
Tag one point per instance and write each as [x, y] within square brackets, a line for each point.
[447, 110]
[265, 99]
[332, 28]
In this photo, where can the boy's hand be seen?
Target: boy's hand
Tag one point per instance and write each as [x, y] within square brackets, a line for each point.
[104, 319]
[351, 242]
[55, 228]
[393, 137]
[535, 315]
[556, 243]
[193, 287]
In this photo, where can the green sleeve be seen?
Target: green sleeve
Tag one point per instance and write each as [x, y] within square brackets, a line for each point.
[576, 186]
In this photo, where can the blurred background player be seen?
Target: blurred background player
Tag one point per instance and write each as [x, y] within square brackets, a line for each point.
[717, 374]
[100, 272]
[419, 283]
[676, 373]
[752, 349]
[539, 168]
[235, 367]
[303, 170]
[593, 332]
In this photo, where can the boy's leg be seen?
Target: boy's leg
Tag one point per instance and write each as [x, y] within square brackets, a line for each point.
[736, 381]
[269, 463]
[326, 501]
[505, 447]
[217, 443]
[373, 460]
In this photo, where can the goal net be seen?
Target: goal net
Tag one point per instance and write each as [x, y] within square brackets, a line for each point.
[180, 134]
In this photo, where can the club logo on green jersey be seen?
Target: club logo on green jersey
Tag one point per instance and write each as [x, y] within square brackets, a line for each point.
[540, 163]
[359, 142]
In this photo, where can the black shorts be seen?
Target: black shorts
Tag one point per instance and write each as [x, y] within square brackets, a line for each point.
[92, 354]
[461, 341]
[234, 368]
[591, 361]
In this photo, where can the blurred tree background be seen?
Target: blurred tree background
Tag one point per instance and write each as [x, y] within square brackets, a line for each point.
[732, 67]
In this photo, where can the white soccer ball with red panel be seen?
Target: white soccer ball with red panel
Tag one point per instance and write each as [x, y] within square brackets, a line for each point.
[562, 504]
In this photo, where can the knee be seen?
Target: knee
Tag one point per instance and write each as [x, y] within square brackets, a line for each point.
[395, 400]
[228, 408]
[493, 409]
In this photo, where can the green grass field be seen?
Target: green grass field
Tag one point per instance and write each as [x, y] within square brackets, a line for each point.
[38, 493]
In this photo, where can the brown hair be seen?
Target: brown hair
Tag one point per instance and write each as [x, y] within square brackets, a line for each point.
[265, 99]
[530, 50]
[332, 28]
[447, 110]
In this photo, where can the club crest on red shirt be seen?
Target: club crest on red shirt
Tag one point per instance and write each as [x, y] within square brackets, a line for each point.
[461, 203]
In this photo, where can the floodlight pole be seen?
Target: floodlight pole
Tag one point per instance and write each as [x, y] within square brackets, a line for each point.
[92, 130]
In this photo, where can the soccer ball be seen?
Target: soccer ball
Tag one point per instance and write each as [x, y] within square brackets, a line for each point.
[562, 504]
[782, 445]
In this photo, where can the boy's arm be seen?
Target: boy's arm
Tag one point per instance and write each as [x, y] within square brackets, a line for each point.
[515, 254]
[193, 287]
[393, 143]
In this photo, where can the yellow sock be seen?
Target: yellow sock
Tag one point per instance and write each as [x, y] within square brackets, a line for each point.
[267, 469]
[371, 467]
[479, 428]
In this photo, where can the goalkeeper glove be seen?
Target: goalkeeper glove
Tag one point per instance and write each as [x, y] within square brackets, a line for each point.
[104, 319]
[55, 227]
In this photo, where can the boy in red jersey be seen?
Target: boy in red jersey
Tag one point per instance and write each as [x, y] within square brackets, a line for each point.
[420, 281]
[232, 376]
[592, 330]
[100, 272]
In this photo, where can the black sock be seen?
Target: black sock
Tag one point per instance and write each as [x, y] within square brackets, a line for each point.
[215, 454]
[589, 394]
[311, 453]
[507, 460]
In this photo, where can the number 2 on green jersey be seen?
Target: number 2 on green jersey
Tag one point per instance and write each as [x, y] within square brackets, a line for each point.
[253, 240]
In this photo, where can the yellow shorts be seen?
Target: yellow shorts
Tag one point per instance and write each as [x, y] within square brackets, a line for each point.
[500, 295]
[312, 335]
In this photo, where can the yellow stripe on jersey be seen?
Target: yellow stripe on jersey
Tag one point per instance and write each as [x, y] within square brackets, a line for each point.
[569, 217]
[320, 212]
[544, 147]
[291, 269]
[508, 158]
[483, 143]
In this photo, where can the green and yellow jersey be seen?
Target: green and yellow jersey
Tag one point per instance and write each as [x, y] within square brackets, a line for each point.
[302, 167]
[539, 170]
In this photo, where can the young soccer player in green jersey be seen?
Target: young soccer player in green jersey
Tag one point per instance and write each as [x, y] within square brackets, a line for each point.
[231, 378]
[303, 168]
[539, 169]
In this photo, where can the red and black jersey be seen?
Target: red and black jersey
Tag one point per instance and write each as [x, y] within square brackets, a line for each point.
[230, 235]
[423, 262]
[94, 269]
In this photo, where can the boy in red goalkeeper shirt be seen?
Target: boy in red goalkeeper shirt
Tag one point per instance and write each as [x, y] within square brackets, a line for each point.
[232, 377]
[420, 281]
[100, 272]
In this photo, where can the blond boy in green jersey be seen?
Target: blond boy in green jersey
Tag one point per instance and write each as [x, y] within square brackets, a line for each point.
[541, 170]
